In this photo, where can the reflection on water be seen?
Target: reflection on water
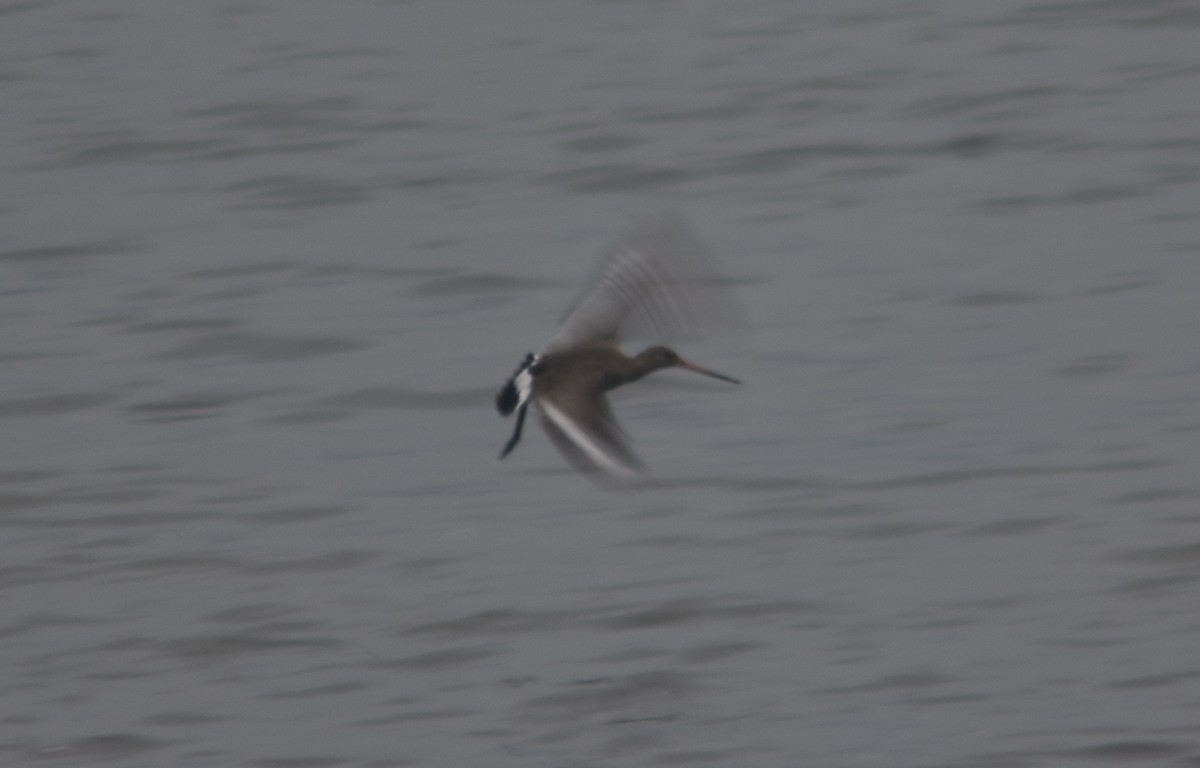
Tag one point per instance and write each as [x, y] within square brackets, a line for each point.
[263, 267]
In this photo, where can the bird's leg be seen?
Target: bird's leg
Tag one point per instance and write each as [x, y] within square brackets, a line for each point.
[516, 435]
[515, 396]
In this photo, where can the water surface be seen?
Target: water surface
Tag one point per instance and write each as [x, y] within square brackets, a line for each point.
[263, 265]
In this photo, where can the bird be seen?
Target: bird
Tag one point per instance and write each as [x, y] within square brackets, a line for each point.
[656, 279]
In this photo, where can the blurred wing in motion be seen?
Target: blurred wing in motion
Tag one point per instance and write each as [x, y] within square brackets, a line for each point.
[582, 427]
[657, 281]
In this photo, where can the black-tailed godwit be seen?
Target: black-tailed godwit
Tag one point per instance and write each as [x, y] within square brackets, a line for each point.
[654, 280]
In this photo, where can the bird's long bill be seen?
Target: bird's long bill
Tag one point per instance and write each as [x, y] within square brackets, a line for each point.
[697, 369]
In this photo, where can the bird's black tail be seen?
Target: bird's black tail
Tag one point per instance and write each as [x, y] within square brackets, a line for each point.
[512, 393]
[514, 396]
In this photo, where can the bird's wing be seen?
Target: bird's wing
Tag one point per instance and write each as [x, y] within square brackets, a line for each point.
[657, 280]
[582, 427]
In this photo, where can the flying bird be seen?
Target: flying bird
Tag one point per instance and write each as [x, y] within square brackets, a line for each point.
[656, 280]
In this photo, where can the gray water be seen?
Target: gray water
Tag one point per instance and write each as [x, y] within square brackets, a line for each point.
[264, 264]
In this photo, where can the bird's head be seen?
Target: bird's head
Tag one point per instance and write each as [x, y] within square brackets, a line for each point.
[656, 358]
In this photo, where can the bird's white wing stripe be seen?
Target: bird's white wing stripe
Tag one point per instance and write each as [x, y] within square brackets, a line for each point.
[585, 442]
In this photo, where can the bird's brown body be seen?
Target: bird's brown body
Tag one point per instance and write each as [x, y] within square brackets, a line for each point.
[602, 366]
